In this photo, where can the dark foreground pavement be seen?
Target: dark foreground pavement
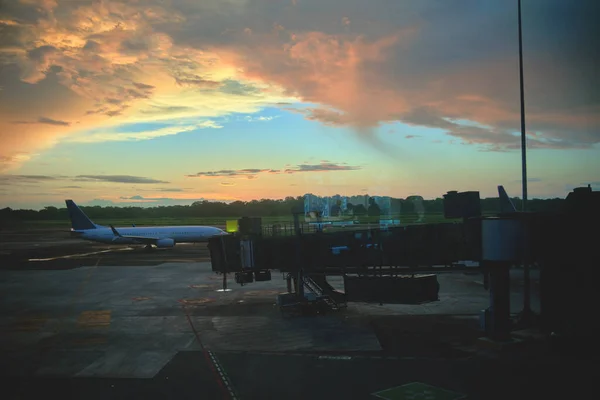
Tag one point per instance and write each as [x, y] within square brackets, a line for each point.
[127, 324]
[190, 375]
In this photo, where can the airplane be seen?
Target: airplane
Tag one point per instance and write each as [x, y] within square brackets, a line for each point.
[159, 236]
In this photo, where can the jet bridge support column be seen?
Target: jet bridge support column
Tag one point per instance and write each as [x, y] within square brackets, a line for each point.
[501, 246]
[299, 282]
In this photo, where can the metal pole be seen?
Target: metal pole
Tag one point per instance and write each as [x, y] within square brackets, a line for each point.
[224, 264]
[526, 314]
[523, 135]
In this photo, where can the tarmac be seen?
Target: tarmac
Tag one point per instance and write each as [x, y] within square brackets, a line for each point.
[83, 320]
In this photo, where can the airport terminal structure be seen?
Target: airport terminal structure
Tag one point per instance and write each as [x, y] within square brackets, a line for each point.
[399, 264]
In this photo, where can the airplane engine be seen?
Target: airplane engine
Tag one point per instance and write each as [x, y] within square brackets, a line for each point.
[165, 243]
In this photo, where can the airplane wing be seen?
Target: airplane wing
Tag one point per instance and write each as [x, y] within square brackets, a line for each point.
[141, 239]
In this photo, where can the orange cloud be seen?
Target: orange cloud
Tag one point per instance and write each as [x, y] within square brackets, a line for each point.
[93, 64]
[332, 70]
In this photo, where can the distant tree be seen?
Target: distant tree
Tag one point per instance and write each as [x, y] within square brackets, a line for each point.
[374, 210]
[360, 209]
[258, 208]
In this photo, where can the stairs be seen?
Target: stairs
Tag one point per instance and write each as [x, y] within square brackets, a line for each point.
[318, 285]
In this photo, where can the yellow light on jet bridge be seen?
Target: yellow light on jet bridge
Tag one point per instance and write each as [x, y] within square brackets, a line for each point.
[231, 226]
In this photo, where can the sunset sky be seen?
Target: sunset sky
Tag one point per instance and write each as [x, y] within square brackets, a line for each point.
[172, 101]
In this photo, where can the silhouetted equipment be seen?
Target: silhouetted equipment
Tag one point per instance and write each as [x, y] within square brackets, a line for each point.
[566, 248]
[250, 226]
[462, 205]
[406, 289]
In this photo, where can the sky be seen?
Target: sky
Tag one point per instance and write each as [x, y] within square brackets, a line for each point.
[160, 102]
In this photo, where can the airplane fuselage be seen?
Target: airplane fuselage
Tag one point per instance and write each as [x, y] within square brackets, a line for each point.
[179, 234]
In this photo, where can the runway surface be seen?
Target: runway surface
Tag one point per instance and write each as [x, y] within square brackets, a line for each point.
[87, 320]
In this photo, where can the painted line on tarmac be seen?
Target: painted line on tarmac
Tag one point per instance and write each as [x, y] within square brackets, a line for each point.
[222, 379]
[223, 374]
[338, 357]
[79, 255]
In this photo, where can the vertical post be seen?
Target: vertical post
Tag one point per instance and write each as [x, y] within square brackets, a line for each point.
[523, 134]
[299, 278]
[224, 264]
[499, 278]
[526, 314]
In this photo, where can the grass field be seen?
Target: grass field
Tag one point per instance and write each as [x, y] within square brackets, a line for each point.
[211, 221]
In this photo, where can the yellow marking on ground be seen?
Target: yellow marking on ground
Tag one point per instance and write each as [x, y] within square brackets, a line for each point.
[79, 255]
[261, 293]
[94, 319]
[141, 298]
[29, 324]
[202, 286]
[193, 302]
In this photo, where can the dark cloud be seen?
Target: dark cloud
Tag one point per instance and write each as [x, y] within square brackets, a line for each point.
[164, 110]
[230, 173]
[143, 86]
[27, 178]
[196, 81]
[117, 179]
[50, 121]
[170, 190]
[322, 167]
[140, 201]
[44, 120]
[70, 187]
[136, 95]
[252, 173]
[40, 53]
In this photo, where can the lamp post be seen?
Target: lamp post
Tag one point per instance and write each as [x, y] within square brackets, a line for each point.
[526, 317]
[523, 136]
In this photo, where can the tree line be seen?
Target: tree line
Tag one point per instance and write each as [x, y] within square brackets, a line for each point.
[238, 209]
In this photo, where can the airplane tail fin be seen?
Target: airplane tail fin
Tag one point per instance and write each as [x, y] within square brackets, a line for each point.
[79, 221]
[506, 204]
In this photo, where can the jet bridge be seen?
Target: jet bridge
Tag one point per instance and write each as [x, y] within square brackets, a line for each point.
[400, 264]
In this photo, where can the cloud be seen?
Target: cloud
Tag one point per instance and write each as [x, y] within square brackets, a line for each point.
[44, 120]
[117, 179]
[96, 137]
[227, 183]
[358, 68]
[259, 118]
[321, 167]
[230, 173]
[105, 63]
[196, 81]
[12, 179]
[12, 161]
[252, 173]
[435, 56]
[170, 190]
[70, 187]
[411, 136]
[142, 201]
